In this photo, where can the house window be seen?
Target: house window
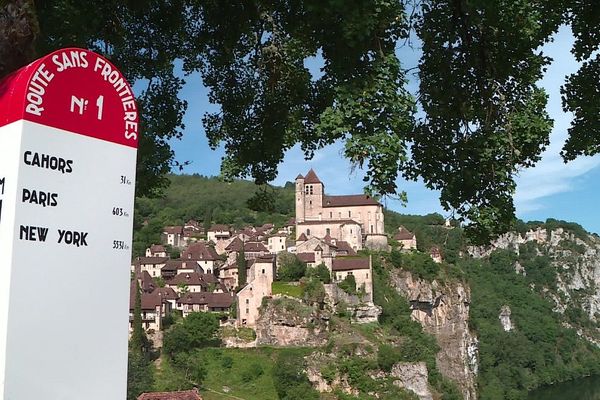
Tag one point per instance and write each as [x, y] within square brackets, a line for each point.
[247, 301]
[263, 271]
[367, 275]
[310, 202]
[350, 273]
[349, 214]
[330, 215]
[328, 231]
[351, 231]
[371, 228]
[247, 311]
[308, 232]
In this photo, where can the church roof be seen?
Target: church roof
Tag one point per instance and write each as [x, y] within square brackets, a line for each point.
[349, 200]
[299, 176]
[311, 177]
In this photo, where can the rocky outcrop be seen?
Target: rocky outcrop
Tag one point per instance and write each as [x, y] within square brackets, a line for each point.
[504, 318]
[285, 321]
[443, 311]
[412, 377]
[362, 312]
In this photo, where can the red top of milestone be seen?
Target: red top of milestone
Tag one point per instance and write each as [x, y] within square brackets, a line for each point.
[75, 90]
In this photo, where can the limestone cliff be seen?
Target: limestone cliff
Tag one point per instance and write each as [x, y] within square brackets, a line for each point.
[575, 257]
[443, 311]
[285, 321]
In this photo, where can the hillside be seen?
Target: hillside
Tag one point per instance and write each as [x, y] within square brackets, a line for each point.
[489, 322]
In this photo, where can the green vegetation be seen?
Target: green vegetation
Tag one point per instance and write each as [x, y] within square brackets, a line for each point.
[320, 272]
[287, 289]
[539, 351]
[348, 285]
[208, 200]
[289, 378]
[139, 367]
[290, 269]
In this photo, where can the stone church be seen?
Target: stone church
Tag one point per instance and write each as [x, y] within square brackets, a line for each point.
[356, 219]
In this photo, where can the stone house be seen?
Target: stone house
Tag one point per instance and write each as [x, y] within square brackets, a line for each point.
[218, 232]
[362, 270]
[173, 236]
[277, 242]
[156, 250]
[154, 308]
[205, 302]
[167, 294]
[174, 267]
[356, 219]
[249, 299]
[205, 256]
[152, 265]
[406, 239]
[190, 282]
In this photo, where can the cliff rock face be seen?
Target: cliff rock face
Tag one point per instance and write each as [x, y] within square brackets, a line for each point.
[443, 311]
[576, 259]
[412, 377]
[286, 321]
[362, 312]
[504, 318]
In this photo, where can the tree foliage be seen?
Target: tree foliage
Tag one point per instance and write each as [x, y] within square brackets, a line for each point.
[197, 330]
[484, 115]
[289, 267]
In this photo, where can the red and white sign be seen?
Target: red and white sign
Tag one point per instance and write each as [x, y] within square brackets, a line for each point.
[68, 143]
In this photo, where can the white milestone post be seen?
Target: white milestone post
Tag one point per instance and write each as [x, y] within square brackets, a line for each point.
[68, 144]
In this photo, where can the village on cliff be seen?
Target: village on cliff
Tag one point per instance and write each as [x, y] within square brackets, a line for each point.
[328, 230]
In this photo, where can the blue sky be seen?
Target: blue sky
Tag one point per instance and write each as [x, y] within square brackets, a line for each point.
[552, 189]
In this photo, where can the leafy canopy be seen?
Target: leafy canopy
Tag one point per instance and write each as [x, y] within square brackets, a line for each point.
[484, 116]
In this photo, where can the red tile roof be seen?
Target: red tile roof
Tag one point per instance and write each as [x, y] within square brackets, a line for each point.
[157, 248]
[200, 251]
[343, 246]
[188, 278]
[311, 177]
[349, 200]
[173, 229]
[151, 260]
[255, 247]
[404, 234]
[149, 300]
[181, 395]
[212, 300]
[166, 293]
[302, 238]
[306, 257]
[235, 245]
[347, 264]
[218, 227]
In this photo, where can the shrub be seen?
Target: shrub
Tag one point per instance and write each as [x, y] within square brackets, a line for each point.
[320, 272]
[290, 269]
[348, 285]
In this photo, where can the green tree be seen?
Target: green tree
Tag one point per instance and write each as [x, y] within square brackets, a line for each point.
[138, 342]
[290, 268]
[139, 375]
[197, 330]
[487, 123]
[291, 382]
[320, 272]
